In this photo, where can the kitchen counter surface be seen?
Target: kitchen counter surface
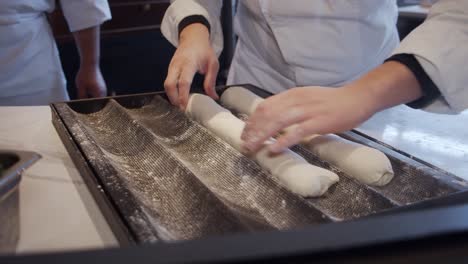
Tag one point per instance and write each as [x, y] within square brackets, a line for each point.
[58, 213]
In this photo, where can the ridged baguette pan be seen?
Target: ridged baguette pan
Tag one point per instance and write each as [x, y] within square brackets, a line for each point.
[164, 177]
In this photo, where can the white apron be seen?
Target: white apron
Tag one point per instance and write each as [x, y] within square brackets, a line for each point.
[284, 44]
[29, 62]
[30, 68]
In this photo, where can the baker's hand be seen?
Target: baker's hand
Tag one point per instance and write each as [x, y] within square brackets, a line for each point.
[90, 83]
[194, 54]
[312, 110]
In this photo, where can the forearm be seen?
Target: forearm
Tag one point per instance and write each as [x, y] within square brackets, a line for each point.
[88, 44]
[89, 80]
[386, 86]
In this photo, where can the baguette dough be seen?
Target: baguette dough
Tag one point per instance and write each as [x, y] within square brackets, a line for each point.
[240, 100]
[367, 165]
[295, 173]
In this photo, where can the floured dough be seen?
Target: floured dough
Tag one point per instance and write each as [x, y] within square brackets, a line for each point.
[240, 100]
[292, 170]
[367, 165]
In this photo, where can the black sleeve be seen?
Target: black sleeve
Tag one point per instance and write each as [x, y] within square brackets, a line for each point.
[430, 90]
[192, 20]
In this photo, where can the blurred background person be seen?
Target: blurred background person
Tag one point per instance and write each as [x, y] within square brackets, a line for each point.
[30, 68]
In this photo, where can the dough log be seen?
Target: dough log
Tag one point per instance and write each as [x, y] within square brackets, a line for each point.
[240, 100]
[295, 173]
[367, 165]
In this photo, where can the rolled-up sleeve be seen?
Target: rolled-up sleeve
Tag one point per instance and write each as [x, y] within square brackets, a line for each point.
[180, 9]
[82, 14]
[440, 45]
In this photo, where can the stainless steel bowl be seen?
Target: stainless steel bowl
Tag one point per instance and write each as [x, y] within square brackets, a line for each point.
[12, 164]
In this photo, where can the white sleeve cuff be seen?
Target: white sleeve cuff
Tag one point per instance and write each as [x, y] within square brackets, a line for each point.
[180, 9]
[439, 45]
[82, 14]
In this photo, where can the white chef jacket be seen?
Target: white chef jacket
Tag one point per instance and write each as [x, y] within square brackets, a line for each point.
[29, 60]
[440, 45]
[284, 44]
[291, 43]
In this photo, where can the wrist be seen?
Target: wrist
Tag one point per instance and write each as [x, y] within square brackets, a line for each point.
[429, 89]
[388, 85]
[367, 100]
[187, 21]
[89, 65]
[194, 31]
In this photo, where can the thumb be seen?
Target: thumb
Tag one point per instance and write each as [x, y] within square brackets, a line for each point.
[98, 91]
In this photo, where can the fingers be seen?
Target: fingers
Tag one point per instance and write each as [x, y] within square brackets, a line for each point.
[312, 110]
[94, 92]
[298, 132]
[267, 121]
[91, 91]
[178, 82]
[98, 90]
[289, 97]
[256, 132]
[170, 84]
[82, 92]
[103, 92]
[184, 84]
[210, 79]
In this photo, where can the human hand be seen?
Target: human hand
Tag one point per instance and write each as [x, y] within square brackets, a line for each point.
[90, 83]
[320, 110]
[305, 111]
[194, 54]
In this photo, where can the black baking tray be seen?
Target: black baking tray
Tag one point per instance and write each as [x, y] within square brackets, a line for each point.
[430, 186]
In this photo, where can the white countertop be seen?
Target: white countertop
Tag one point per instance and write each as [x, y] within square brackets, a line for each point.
[57, 211]
[441, 140]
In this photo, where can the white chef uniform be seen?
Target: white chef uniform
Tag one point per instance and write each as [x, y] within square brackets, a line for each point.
[440, 45]
[284, 44]
[30, 68]
[330, 42]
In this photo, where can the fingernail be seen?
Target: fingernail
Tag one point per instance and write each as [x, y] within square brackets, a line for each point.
[244, 150]
[245, 134]
[246, 145]
[248, 140]
[248, 134]
[275, 148]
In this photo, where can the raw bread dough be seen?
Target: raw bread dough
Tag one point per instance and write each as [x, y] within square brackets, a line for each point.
[367, 165]
[292, 170]
[240, 100]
